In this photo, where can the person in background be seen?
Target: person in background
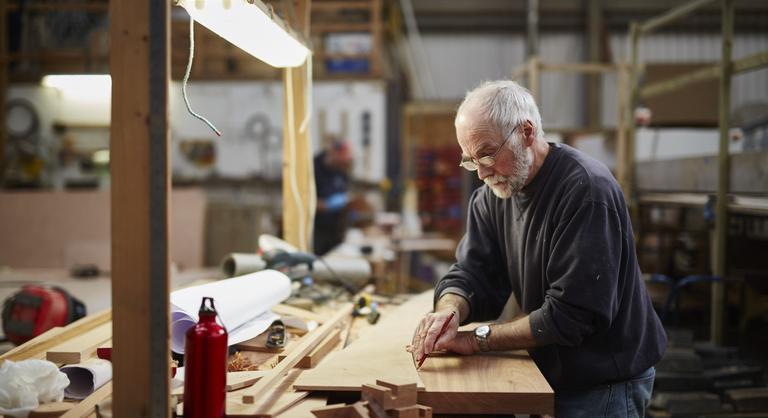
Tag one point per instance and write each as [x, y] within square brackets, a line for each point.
[332, 167]
[550, 226]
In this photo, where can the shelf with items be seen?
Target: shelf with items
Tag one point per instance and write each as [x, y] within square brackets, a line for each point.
[347, 38]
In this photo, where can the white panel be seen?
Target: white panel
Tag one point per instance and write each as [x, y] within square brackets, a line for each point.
[250, 117]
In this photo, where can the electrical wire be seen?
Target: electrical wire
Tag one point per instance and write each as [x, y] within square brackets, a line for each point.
[186, 78]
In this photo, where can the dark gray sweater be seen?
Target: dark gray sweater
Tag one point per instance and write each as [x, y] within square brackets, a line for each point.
[565, 247]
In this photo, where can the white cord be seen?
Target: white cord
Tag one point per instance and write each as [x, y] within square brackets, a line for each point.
[186, 77]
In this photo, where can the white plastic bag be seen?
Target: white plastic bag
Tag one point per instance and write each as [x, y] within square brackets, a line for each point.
[24, 385]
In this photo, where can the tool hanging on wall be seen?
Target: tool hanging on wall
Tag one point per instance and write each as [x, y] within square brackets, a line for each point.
[36, 309]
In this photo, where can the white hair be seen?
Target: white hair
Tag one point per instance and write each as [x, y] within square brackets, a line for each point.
[504, 104]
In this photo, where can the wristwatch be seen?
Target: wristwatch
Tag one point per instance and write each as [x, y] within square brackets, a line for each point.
[481, 336]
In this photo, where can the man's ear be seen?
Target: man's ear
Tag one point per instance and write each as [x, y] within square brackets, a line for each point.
[529, 132]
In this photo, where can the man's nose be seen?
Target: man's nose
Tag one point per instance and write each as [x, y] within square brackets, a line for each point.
[483, 172]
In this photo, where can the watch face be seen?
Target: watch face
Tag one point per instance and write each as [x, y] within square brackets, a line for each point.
[483, 331]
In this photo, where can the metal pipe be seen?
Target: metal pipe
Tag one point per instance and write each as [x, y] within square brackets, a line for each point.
[672, 15]
[723, 177]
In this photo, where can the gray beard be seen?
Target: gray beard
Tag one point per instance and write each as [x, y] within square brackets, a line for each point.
[504, 187]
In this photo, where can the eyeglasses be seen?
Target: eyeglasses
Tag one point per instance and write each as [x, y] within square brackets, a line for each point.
[472, 164]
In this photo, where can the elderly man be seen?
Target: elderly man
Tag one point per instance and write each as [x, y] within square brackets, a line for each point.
[551, 226]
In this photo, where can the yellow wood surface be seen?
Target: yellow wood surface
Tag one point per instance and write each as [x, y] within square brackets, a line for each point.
[492, 383]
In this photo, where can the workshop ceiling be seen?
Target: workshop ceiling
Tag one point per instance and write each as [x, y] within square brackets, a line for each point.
[569, 15]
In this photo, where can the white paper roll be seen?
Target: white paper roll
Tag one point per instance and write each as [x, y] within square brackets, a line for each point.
[243, 305]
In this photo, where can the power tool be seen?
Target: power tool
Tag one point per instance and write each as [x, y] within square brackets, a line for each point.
[36, 309]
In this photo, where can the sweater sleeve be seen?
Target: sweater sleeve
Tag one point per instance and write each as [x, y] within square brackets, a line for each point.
[582, 275]
[479, 273]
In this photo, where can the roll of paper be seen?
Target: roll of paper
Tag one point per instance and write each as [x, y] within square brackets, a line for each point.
[242, 303]
[237, 264]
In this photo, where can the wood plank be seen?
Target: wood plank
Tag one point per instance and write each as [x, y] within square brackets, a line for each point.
[235, 381]
[139, 33]
[273, 401]
[88, 405]
[377, 354]
[492, 383]
[303, 409]
[307, 344]
[38, 346]
[283, 309]
[326, 346]
[298, 171]
[77, 350]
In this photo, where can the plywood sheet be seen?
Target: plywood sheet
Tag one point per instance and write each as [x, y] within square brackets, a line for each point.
[493, 383]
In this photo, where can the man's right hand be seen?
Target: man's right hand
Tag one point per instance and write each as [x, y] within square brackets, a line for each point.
[427, 334]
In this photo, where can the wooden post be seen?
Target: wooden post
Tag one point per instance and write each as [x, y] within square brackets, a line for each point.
[723, 177]
[3, 83]
[533, 78]
[140, 67]
[594, 87]
[375, 57]
[298, 171]
[634, 77]
[622, 162]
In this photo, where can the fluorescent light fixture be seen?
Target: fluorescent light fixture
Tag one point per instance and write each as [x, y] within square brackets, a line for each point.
[249, 25]
[83, 87]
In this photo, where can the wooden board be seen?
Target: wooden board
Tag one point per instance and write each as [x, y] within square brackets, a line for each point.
[276, 399]
[493, 383]
[235, 381]
[378, 353]
[304, 347]
[38, 346]
[326, 346]
[303, 409]
[77, 350]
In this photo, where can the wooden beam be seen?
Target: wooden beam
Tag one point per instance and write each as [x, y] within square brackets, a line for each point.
[534, 66]
[140, 67]
[749, 63]
[3, 83]
[38, 346]
[672, 15]
[723, 177]
[594, 48]
[78, 349]
[622, 166]
[298, 171]
[87, 406]
[579, 67]
[307, 344]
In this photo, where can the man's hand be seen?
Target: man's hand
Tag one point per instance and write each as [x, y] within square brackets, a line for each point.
[427, 338]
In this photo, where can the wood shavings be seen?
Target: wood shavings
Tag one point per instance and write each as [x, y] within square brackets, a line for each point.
[238, 363]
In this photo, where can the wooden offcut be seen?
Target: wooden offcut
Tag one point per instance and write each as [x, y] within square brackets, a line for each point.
[313, 358]
[87, 406]
[77, 350]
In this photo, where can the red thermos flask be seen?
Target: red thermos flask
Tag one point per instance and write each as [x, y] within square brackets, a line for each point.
[205, 365]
